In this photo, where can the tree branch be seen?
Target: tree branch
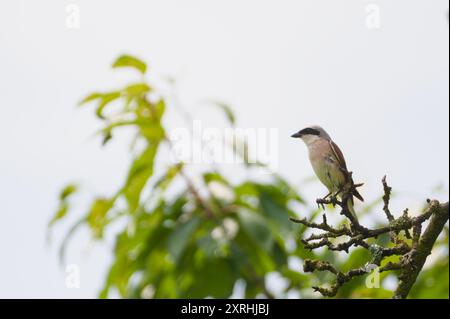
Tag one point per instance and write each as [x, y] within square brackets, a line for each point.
[412, 256]
[413, 261]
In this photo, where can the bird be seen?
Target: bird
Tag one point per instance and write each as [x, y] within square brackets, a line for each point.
[328, 163]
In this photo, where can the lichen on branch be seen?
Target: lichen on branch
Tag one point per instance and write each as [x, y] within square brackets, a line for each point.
[412, 253]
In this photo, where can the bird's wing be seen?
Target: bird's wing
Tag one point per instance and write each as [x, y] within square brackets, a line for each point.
[338, 155]
[341, 161]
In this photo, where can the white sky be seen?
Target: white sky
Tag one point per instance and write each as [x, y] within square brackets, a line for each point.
[382, 94]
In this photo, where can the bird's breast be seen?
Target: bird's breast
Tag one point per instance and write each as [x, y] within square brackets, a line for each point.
[321, 158]
[319, 150]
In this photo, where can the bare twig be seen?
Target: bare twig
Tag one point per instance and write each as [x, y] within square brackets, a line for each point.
[413, 261]
[412, 256]
[323, 226]
[386, 198]
[341, 278]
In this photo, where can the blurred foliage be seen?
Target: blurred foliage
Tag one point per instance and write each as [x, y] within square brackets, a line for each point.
[199, 239]
[433, 281]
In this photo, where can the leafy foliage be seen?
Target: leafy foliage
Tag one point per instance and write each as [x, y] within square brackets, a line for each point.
[180, 243]
[182, 239]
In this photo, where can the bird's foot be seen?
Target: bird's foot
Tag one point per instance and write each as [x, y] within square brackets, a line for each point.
[328, 199]
[320, 203]
[333, 199]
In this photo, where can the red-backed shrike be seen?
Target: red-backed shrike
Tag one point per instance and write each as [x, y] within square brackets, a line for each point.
[327, 161]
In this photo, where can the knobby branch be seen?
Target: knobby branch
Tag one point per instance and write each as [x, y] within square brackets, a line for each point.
[412, 252]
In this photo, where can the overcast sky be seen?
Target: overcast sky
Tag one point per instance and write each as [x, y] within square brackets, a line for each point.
[380, 91]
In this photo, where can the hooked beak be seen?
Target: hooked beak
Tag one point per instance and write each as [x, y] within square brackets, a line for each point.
[297, 135]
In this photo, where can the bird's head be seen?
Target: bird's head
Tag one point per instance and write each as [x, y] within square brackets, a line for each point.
[311, 133]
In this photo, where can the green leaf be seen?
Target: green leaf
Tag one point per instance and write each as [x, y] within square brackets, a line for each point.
[119, 273]
[67, 191]
[104, 101]
[63, 208]
[130, 62]
[137, 89]
[275, 212]
[116, 124]
[160, 108]
[140, 171]
[256, 228]
[208, 245]
[91, 97]
[227, 111]
[153, 131]
[168, 177]
[213, 279]
[180, 237]
[174, 208]
[60, 213]
[67, 237]
[432, 282]
[284, 187]
[252, 258]
[96, 218]
[209, 177]
[107, 136]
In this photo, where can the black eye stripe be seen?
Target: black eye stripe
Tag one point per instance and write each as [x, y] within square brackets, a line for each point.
[310, 131]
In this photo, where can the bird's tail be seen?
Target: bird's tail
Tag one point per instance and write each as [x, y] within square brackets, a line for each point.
[350, 202]
[352, 210]
[358, 195]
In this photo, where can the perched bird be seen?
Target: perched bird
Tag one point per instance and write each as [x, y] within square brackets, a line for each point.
[328, 162]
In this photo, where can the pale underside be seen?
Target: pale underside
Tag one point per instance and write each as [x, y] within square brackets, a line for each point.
[326, 165]
[328, 168]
